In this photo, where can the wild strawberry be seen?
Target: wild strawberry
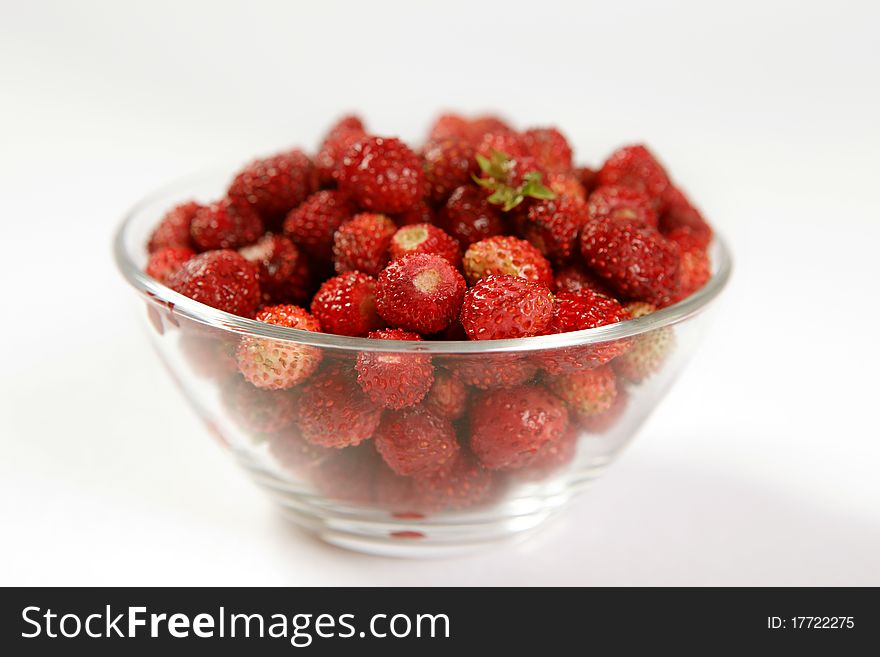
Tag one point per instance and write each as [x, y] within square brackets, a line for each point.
[695, 269]
[448, 164]
[500, 371]
[648, 351]
[510, 180]
[348, 475]
[362, 244]
[165, 262]
[420, 292]
[394, 380]
[508, 255]
[553, 226]
[255, 410]
[342, 136]
[174, 228]
[575, 277]
[588, 177]
[499, 307]
[346, 305]
[332, 410]
[615, 202]
[603, 422]
[469, 217]
[414, 441]
[420, 213]
[225, 225]
[382, 175]
[220, 279]
[587, 392]
[313, 224]
[447, 397]
[678, 212]
[507, 141]
[566, 183]
[550, 458]
[509, 427]
[283, 269]
[635, 259]
[465, 483]
[295, 455]
[276, 364]
[576, 311]
[636, 167]
[549, 147]
[449, 126]
[425, 238]
[275, 185]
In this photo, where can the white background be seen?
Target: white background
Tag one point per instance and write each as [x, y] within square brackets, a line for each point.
[761, 467]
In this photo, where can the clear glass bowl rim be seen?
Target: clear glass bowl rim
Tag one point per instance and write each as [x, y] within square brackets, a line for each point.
[126, 261]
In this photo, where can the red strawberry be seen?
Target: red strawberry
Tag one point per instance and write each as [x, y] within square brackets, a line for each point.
[567, 183]
[420, 292]
[382, 175]
[174, 228]
[463, 484]
[603, 422]
[576, 311]
[394, 380]
[509, 427]
[588, 177]
[480, 126]
[696, 268]
[425, 238]
[636, 167]
[501, 307]
[449, 126]
[678, 212]
[362, 244]
[283, 270]
[420, 213]
[295, 455]
[499, 371]
[342, 136]
[506, 141]
[276, 364]
[275, 185]
[164, 262]
[506, 255]
[648, 351]
[448, 164]
[346, 305]
[587, 392]
[447, 397]
[348, 475]
[333, 411]
[635, 259]
[220, 279]
[469, 217]
[225, 225]
[414, 441]
[511, 179]
[255, 410]
[615, 202]
[313, 224]
[575, 277]
[549, 147]
[553, 226]
[550, 458]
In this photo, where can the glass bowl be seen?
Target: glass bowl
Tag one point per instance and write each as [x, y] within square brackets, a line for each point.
[486, 394]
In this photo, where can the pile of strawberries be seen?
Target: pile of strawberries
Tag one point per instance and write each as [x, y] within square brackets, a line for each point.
[483, 233]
